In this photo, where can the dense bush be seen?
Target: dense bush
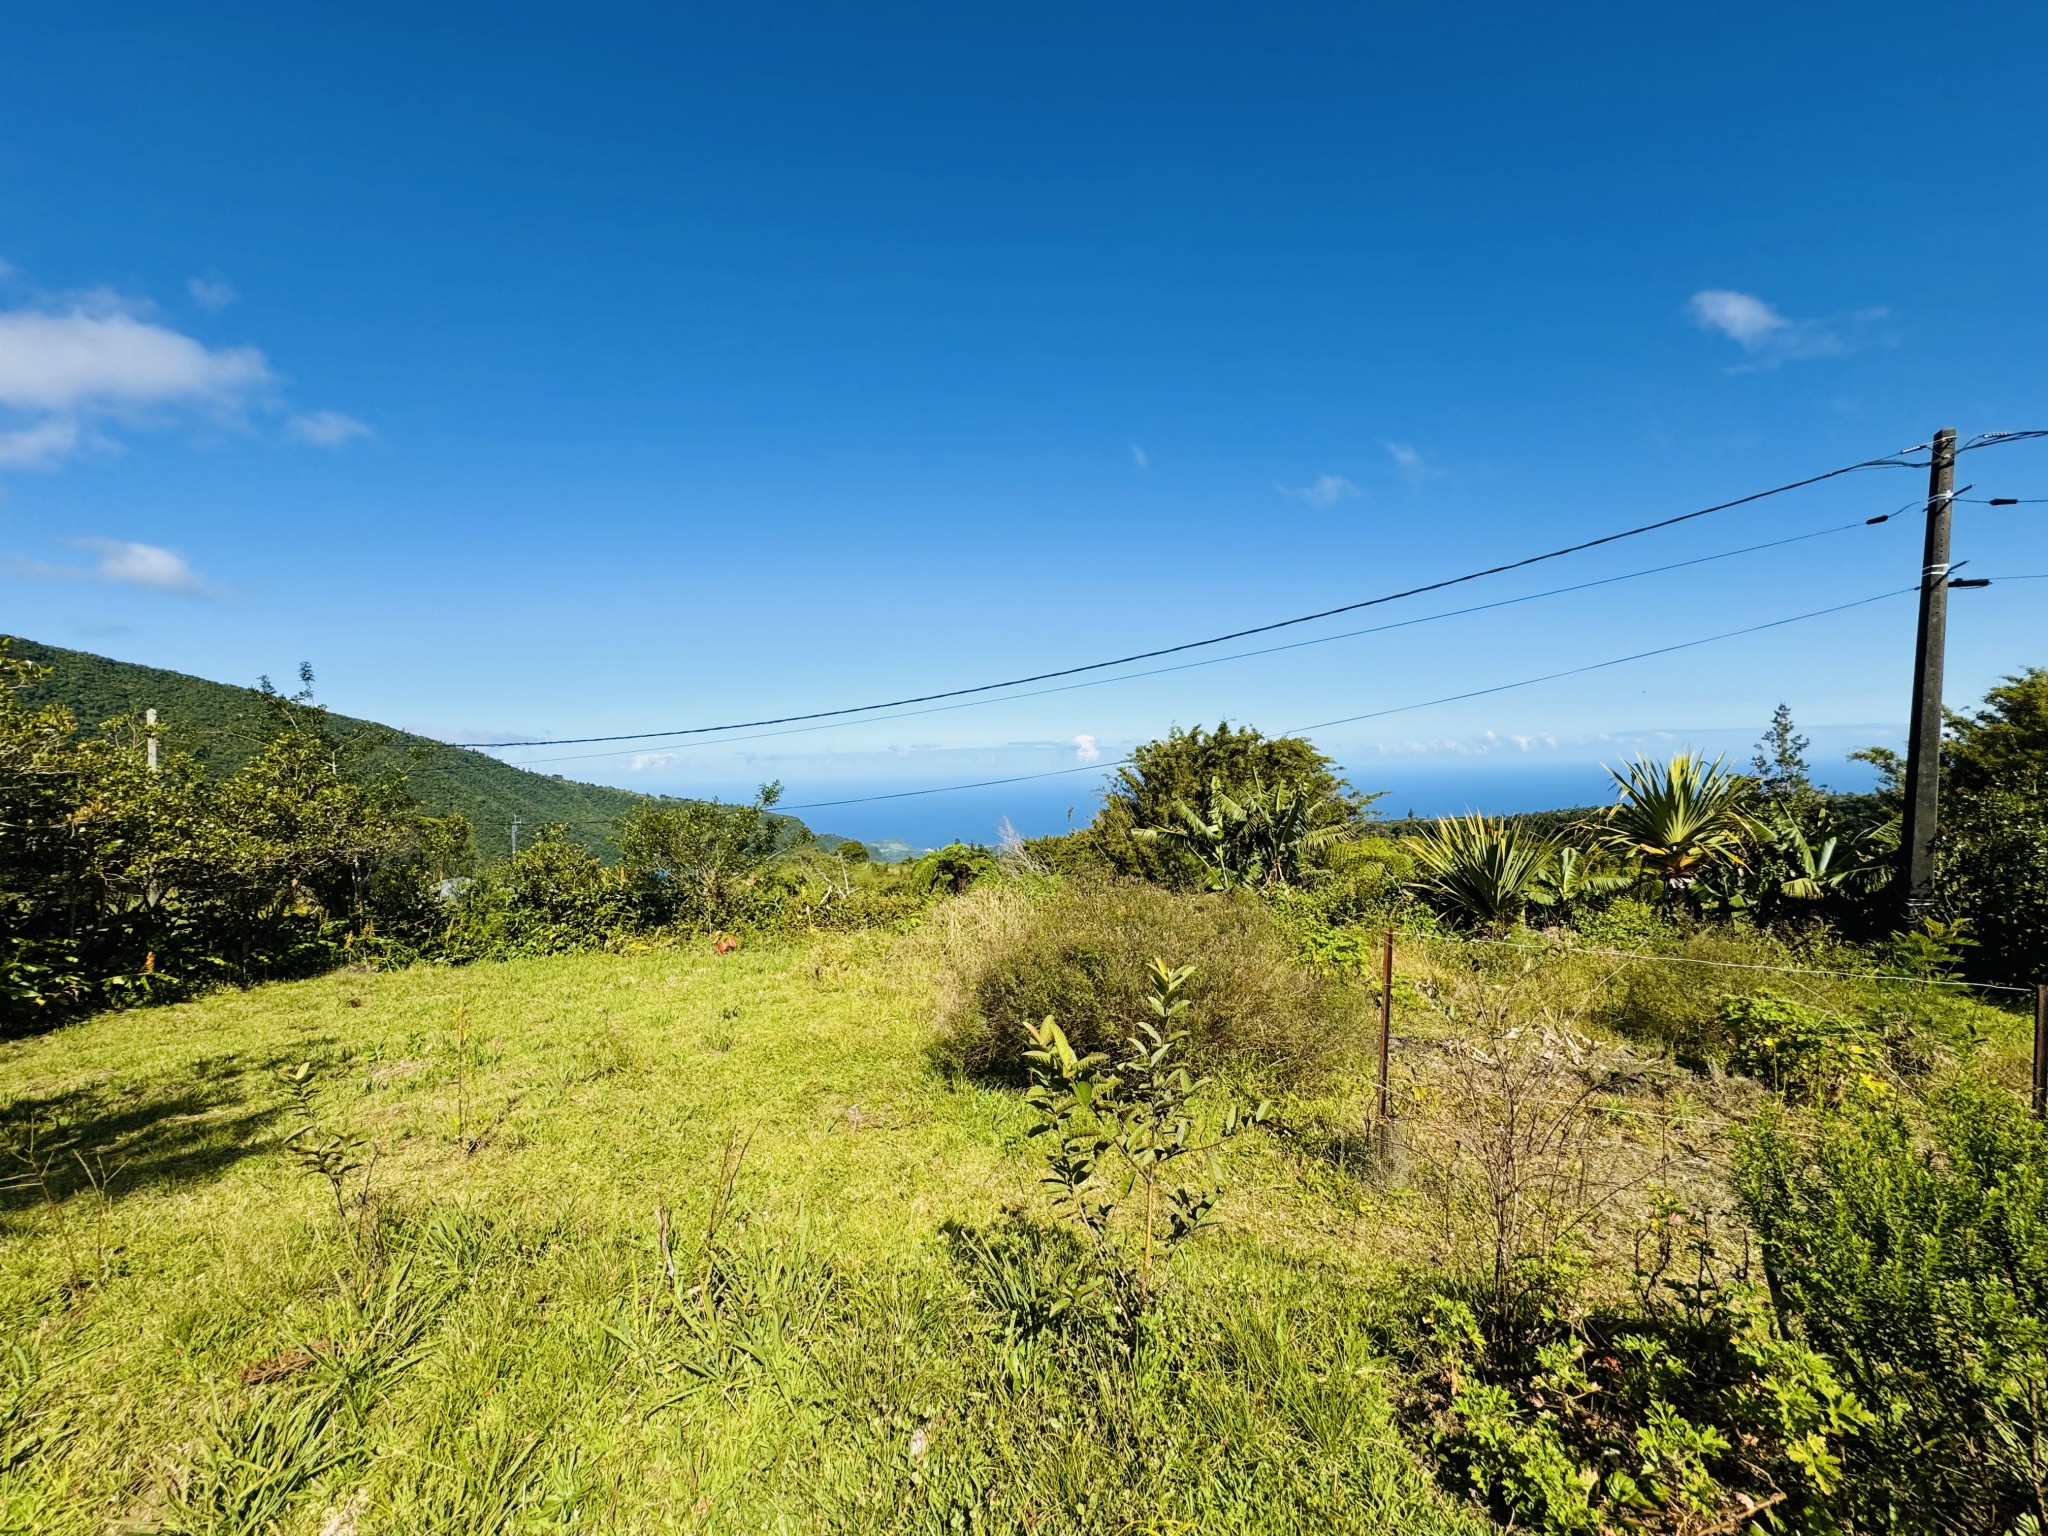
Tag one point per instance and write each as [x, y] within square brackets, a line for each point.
[551, 897]
[1687, 1412]
[1806, 1054]
[1993, 853]
[1079, 955]
[122, 884]
[696, 863]
[1919, 1267]
[1183, 769]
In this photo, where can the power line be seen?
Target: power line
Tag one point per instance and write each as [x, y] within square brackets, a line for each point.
[1891, 461]
[1271, 650]
[1662, 650]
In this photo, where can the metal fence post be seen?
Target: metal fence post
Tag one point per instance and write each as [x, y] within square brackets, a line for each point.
[2041, 1050]
[1386, 1038]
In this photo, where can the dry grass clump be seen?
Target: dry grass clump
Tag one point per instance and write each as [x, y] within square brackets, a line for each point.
[1077, 953]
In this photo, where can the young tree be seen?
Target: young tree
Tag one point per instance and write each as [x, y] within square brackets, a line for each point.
[1780, 765]
[698, 855]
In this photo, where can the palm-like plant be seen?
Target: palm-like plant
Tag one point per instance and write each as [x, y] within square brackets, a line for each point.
[1485, 870]
[1679, 819]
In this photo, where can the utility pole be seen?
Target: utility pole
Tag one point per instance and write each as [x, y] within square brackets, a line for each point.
[515, 834]
[149, 719]
[1923, 741]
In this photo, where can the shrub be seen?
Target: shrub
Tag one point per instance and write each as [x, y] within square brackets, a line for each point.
[1920, 1269]
[1079, 955]
[1486, 872]
[1681, 1418]
[1180, 768]
[551, 897]
[1807, 1055]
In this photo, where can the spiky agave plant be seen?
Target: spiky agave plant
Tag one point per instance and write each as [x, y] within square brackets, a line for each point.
[1487, 871]
[1679, 819]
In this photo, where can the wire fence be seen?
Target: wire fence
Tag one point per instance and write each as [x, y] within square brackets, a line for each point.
[1878, 1061]
[1648, 957]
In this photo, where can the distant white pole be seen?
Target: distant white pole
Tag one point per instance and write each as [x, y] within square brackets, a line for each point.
[149, 719]
[515, 834]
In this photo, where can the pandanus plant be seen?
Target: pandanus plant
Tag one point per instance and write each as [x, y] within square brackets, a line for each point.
[1486, 870]
[1678, 820]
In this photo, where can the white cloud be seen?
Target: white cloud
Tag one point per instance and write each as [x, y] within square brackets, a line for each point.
[1086, 749]
[1403, 455]
[1772, 337]
[210, 295]
[67, 366]
[325, 429]
[75, 366]
[39, 443]
[121, 563]
[142, 565]
[641, 762]
[1138, 457]
[1742, 317]
[1323, 491]
[86, 360]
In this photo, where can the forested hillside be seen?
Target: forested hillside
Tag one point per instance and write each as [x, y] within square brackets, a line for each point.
[222, 725]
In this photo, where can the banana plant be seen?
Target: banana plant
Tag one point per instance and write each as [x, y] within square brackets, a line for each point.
[1574, 875]
[1256, 837]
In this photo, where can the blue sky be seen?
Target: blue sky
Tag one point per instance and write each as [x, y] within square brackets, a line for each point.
[545, 372]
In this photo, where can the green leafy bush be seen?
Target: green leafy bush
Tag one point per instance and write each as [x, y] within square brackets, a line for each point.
[1807, 1055]
[1116, 1131]
[551, 897]
[1690, 1412]
[1180, 769]
[1079, 954]
[1919, 1269]
[121, 883]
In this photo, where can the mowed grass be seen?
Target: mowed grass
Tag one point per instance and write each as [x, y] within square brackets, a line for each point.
[194, 1337]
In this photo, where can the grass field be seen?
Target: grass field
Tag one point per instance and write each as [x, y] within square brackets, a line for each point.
[672, 1240]
[201, 1334]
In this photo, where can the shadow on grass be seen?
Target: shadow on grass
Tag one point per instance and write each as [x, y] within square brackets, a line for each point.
[184, 1130]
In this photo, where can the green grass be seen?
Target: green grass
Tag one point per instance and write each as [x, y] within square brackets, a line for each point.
[209, 1345]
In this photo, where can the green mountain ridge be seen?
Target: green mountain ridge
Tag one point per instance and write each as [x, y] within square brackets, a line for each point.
[222, 725]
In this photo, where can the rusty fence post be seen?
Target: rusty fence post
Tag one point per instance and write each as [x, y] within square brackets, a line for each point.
[1386, 1039]
[2041, 1051]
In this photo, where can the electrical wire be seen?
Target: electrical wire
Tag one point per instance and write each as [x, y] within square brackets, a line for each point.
[1890, 461]
[1270, 650]
[1662, 650]
[1994, 440]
